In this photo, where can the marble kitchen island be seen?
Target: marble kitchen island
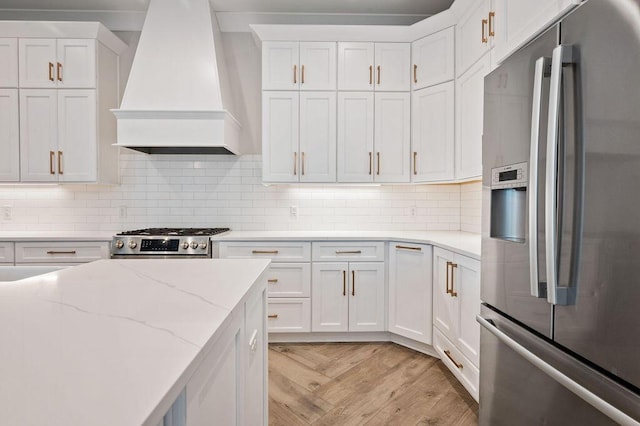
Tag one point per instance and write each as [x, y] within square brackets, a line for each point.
[116, 342]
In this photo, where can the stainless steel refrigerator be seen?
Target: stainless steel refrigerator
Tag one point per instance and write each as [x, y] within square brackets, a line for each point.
[560, 339]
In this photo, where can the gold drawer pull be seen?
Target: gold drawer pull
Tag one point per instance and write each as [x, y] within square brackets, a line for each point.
[61, 252]
[272, 316]
[453, 293]
[302, 163]
[447, 273]
[51, 71]
[344, 283]
[409, 248]
[60, 171]
[370, 163]
[415, 73]
[415, 161]
[295, 163]
[484, 36]
[349, 252]
[370, 74]
[353, 283]
[448, 354]
[59, 71]
[264, 251]
[378, 75]
[492, 32]
[378, 154]
[302, 79]
[295, 73]
[272, 281]
[52, 155]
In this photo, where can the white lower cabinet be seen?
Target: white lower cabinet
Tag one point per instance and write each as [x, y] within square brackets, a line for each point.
[289, 315]
[456, 303]
[348, 296]
[410, 298]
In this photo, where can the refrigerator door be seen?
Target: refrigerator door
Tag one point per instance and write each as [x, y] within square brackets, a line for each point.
[509, 101]
[603, 324]
[524, 380]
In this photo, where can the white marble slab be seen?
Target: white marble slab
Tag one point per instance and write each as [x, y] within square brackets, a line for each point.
[465, 243]
[103, 343]
[55, 236]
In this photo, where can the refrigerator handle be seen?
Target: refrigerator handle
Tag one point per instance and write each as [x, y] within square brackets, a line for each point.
[598, 403]
[562, 55]
[542, 70]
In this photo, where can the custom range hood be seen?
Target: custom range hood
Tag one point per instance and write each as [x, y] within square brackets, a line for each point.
[175, 98]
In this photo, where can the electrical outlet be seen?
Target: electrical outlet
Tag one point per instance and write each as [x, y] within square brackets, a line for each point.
[7, 213]
[122, 212]
[412, 211]
[293, 211]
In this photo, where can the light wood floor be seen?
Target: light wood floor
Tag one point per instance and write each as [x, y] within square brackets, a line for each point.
[363, 384]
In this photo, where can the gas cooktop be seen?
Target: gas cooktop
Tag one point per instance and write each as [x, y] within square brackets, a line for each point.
[180, 232]
[164, 243]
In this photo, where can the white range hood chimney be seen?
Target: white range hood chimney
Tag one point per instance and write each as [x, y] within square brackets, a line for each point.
[174, 102]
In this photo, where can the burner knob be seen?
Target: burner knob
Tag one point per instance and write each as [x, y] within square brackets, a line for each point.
[119, 244]
[133, 244]
[185, 245]
[194, 245]
[203, 245]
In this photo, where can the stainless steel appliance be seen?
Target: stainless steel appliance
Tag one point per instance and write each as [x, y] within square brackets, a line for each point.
[158, 243]
[560, 337]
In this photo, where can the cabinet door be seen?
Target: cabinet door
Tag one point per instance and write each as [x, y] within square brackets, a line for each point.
[469, 114]
[317, 136]
[318, 66]
[9, 139]
[8, 62]
[393, 63]
[432, 129]
[366, 298]
[472, 35]
[38, 135]
[280, 162]
[355, 66]
[76, 64]
[517, 22]
[330, 297]
[280, 65]
[392, 137]
[77, 157]
[466, 283]
[37, 59]
[289, 280]
[410, 290]
[355, 136]
[255, 346]
[433, 59]
[445, 306]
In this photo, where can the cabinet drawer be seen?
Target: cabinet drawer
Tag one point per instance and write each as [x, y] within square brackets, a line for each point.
[289, 280]
[61, 252]
[289, 315]
[6, 252]
[276, 251]
[460, 366]
[348, 251]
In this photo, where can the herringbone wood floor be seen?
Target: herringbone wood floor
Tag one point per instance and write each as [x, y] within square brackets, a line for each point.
[363, 384]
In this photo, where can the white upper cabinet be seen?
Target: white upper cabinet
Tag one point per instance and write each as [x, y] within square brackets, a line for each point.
[433, 59]
[9, 62]
[291, 65]
[38, 135]
[392, 137]
[516, 22]
[9, 136]
[355, 66]
[77, 139]
[63, 63]
[472, 35]
[432, 126]
[382, 67]
[317, 136]
[280, 136]
[355, 136]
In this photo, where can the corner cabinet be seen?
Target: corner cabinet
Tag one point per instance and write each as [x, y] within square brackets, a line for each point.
[433, 59]
[456, 303]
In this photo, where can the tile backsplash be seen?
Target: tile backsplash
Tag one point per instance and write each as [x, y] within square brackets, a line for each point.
[187, 190]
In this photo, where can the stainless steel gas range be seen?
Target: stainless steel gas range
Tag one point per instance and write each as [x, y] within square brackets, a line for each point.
[164, 243]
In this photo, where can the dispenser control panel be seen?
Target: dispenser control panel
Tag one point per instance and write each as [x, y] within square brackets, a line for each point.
[512, 176]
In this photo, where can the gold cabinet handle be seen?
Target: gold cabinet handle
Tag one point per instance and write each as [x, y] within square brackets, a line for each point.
[409, 248]
[295, 163]
[349, 252]
[448, 354]
[272, 316]
[302, 76]
[264, 251]
[353, 283]
[302, 163]
[59, 70]
[370, 74]
[415, 160]
[52, 156]
[492, 16]
[61, 252]
[370, 162]
[378, 154]
[378, 75]
[60, 171]
[295, 74]
[344, 283]
[272, 281]
[447, 280]
[51, 71]
[484, 26]
[415, 73]
[453, 293]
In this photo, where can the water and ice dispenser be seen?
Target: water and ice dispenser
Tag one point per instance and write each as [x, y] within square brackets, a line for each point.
[509, 202]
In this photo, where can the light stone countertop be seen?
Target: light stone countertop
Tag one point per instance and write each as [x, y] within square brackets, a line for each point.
[103, 343]
[55, 236]
[465, 243]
